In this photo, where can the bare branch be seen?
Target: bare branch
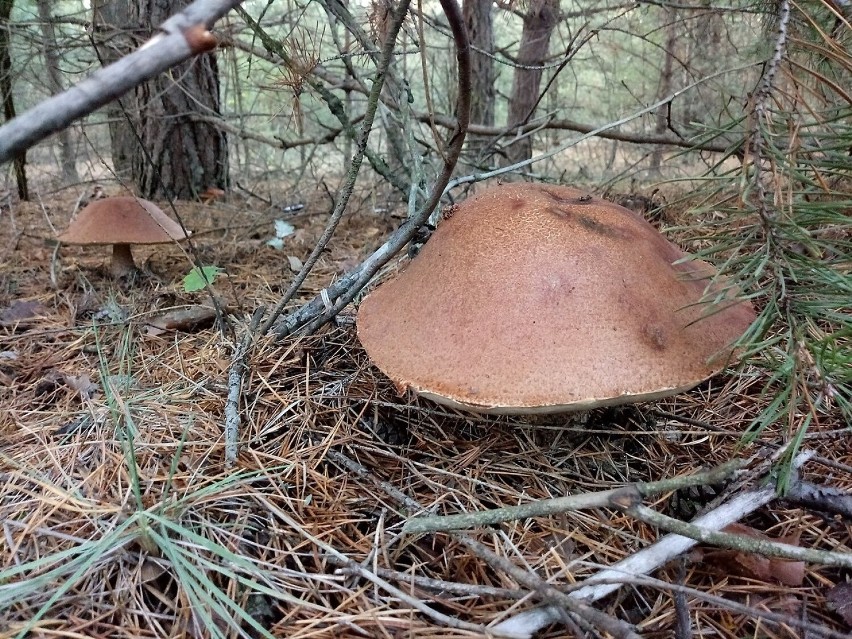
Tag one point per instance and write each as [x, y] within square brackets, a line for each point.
[739, 542]
[544, 507]
[581, 127]
[334, 104]
[395, 24]
[332, 299]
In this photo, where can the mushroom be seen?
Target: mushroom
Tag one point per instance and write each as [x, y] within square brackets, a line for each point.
[533, 298]
[122, 221]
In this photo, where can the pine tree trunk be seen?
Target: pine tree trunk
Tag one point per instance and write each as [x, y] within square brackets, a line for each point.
[68, 157]
[183, 157]
[539, 23]
[114, 38]
[178, 156]
[7, 97]
[478, 19]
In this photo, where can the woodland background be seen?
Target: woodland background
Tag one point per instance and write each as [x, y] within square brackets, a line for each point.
[555, 70]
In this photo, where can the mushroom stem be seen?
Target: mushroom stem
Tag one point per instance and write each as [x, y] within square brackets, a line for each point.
[122, 260]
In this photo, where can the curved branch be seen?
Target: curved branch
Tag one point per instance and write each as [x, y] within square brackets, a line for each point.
[582, 127]
[395, 24]
[332, 299]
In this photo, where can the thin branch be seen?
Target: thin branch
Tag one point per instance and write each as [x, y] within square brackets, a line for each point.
[606, 498]
[277, 141]
[594, 132]
[451, 622]
[536, 584]
[761, 108]
[238, 363]
[822, 498]
[440, 585]
[334, 104]
[333, 298]
[235, 385]
[701, 7]
[563, 124]
[738, 542]
[385, 58]
[474, 590]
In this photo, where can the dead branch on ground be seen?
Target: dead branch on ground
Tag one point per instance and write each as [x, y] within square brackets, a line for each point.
[327, 305]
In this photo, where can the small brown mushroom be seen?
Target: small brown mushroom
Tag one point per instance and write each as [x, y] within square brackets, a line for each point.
[534, 298]
[122, 221]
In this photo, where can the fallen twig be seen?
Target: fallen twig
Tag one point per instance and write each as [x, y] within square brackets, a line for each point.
[547, 591]
[440, 585]
[534, 582]
[738, 542]
[629, 494]
[822, 498]
[609, 580]
[235, 384]
[421, 606]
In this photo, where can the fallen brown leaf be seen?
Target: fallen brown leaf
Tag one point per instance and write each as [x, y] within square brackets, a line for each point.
[754, 566]
[82, 384]
[189, 318]
[21, 311]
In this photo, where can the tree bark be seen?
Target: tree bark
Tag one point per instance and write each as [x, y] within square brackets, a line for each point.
[68, 158]
[113, 38]
[480, 31]
[665, 85]
[6, 95]
[171, 154]
[539, 23]
[182, 157]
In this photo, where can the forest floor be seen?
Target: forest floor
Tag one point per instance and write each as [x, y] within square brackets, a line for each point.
[120, 519]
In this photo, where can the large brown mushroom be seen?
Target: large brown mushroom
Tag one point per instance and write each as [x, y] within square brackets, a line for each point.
[534, 298]
[122, 221]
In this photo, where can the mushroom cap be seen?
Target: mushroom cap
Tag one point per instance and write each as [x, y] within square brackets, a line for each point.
[534, 298]
[122, 220]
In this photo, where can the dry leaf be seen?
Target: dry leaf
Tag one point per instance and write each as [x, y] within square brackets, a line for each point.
[21, 311]
[189, 318]
[151, 570]
[82, 384]
[295, 263]
[753, 566]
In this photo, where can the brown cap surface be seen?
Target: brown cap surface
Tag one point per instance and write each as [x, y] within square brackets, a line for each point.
[122, 220]
[539, 298]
